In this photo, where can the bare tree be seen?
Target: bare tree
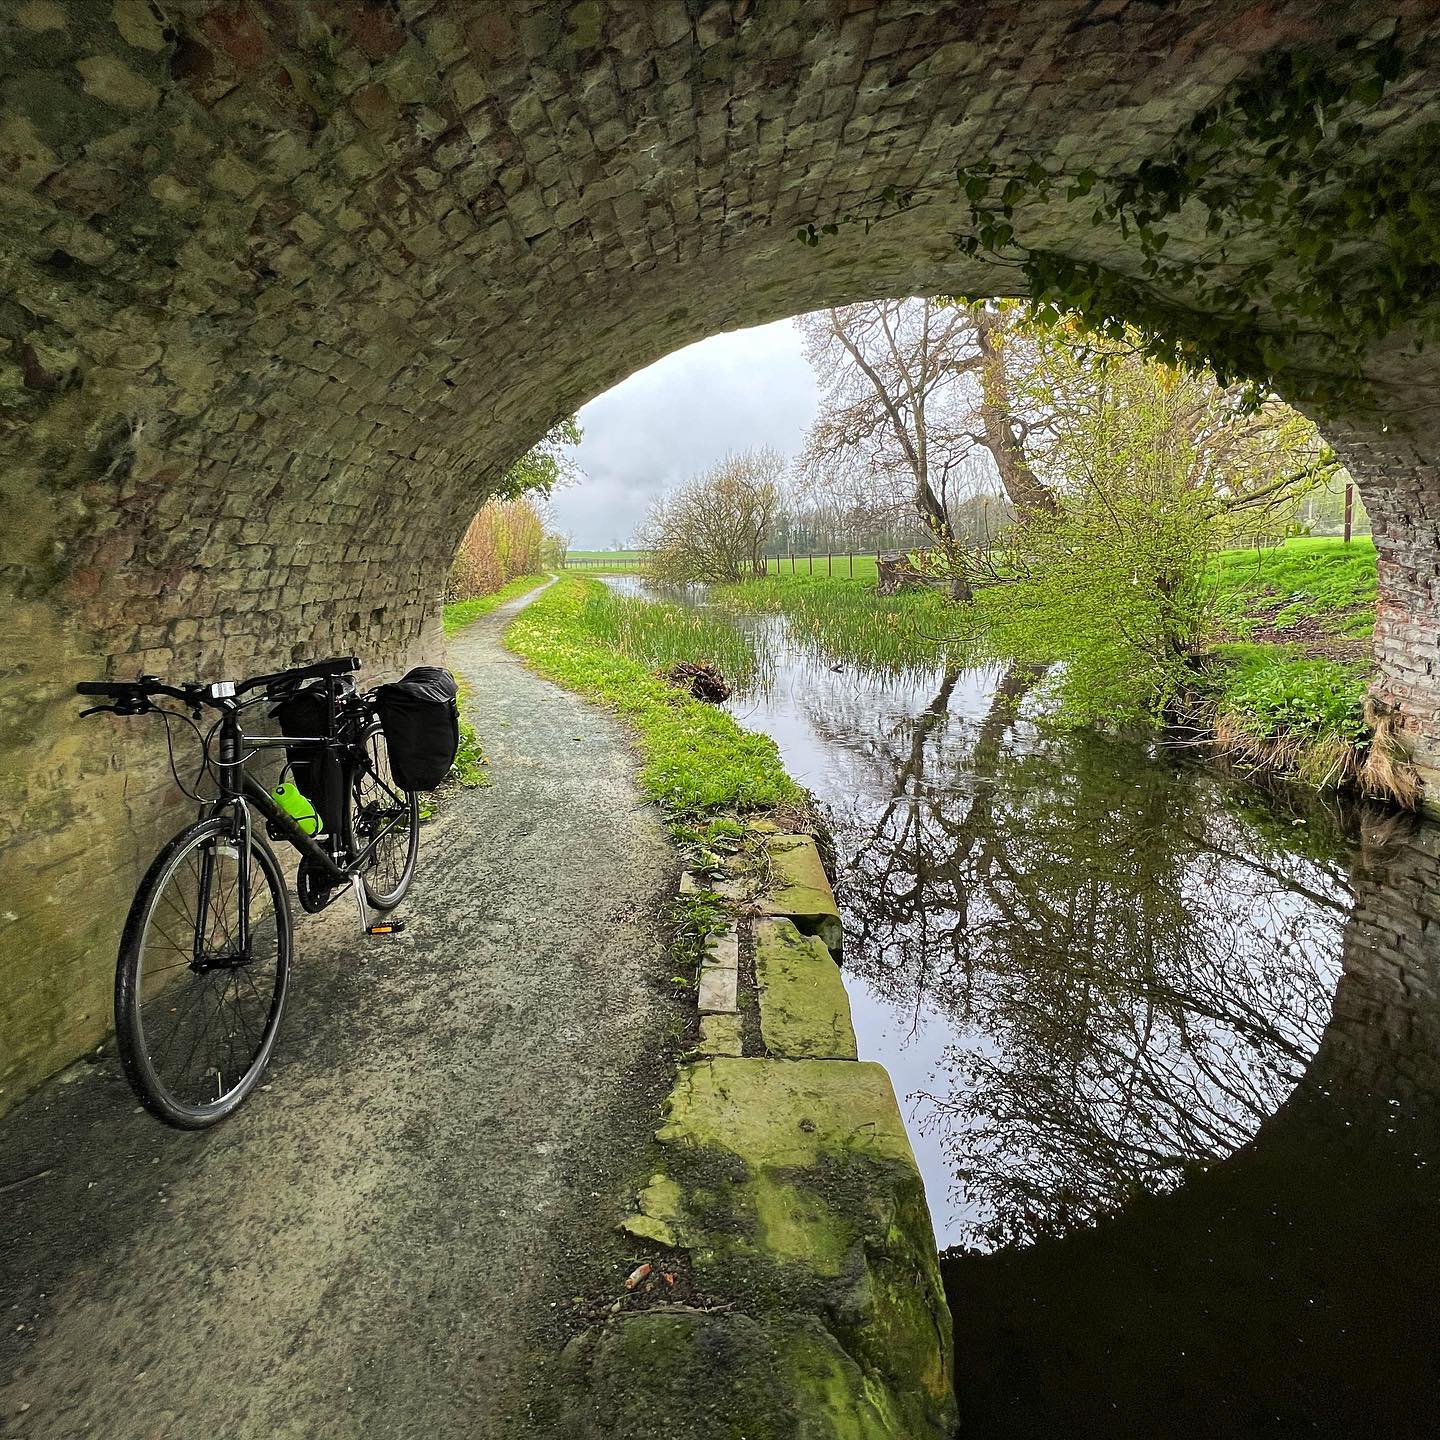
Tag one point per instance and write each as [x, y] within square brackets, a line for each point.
[916, 394]
[893, 406]
[714, 527]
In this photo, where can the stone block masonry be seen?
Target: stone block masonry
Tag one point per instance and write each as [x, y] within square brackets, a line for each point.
[786, 1180]
[283, 289]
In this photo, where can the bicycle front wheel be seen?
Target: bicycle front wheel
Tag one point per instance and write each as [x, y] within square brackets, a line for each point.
[379, 814]
[201, 980]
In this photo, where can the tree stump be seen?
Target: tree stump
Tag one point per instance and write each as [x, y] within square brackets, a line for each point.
[895, 573]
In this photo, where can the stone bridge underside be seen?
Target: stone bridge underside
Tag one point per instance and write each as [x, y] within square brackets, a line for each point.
[285, 285]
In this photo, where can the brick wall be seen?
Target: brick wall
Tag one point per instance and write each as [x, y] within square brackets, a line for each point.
[285, 287]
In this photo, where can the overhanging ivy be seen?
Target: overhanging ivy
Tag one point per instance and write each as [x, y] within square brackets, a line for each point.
[1350, 245]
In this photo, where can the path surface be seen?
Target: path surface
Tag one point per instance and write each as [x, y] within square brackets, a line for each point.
[379, 1244]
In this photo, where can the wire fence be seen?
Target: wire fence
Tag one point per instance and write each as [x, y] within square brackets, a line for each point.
[830, 562]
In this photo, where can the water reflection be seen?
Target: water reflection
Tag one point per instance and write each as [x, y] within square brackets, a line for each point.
[1132, 979]
[1292, 1289]
[1170, 1051]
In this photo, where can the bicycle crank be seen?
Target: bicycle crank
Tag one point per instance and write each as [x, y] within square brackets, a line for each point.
[368, 925]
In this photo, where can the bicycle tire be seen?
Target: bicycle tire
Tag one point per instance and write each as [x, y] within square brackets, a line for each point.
[147, 1007]
[370, 794]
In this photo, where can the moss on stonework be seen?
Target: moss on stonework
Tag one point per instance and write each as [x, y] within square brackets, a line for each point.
[679, 1375]
[800, 889]
[804, 1010]
[792, 1185]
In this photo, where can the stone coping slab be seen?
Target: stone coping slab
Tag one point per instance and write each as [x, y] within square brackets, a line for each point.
[792, 1186]
[804, 1010]
[800, 890]
[718, 992]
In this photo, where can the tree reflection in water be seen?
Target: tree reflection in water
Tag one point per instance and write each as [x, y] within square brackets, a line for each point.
[1135, 976]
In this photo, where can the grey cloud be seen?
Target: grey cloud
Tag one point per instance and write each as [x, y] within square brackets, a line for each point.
[677, 417]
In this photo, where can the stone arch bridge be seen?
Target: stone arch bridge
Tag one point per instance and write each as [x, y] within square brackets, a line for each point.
[286, 285]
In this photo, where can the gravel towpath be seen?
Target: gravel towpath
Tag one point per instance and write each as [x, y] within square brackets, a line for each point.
[386, 1241]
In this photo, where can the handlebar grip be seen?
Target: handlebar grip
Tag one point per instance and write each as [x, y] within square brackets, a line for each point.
[336, 665]
[103, 687]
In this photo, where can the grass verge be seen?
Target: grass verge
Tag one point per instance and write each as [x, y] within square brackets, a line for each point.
[696, 759]
[1276, 709]
[460, 613]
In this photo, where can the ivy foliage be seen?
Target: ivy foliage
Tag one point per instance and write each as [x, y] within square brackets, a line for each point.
[1295, 243]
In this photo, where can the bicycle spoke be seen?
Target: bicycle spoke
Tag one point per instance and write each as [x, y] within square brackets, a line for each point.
[204, 1028]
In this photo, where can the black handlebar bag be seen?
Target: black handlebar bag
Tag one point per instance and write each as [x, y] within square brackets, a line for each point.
[422, 726]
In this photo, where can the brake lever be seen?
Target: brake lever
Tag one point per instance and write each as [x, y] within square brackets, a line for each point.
[136, 707]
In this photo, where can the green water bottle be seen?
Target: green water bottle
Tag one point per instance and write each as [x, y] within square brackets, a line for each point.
[297, 807]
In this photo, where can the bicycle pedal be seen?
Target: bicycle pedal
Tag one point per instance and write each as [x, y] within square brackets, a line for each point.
[385, 927]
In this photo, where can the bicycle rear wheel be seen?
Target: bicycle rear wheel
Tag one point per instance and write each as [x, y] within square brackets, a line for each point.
[197, 1011]
[378, 811]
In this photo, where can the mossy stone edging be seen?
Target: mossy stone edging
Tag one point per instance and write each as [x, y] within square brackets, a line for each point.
[802, 892]
[804, 1010]
[788, 1180]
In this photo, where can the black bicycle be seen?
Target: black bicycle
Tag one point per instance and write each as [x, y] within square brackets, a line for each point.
[204, 961]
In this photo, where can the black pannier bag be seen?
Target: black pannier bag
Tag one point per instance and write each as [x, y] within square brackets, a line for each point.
[422, 726]
[316, 772]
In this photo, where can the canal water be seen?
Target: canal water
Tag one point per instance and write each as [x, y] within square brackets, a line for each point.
[1168, 1048]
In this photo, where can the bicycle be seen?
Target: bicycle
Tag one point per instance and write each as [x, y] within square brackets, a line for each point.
[204, 962]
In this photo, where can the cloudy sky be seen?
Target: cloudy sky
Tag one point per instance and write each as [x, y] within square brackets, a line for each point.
[677, 417]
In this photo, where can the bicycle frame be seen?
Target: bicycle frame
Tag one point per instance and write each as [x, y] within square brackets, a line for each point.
[239, 791]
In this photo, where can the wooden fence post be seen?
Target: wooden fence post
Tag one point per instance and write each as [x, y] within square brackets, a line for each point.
[850, 555]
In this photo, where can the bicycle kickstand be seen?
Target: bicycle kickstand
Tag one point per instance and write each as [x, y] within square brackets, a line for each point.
[369, 926]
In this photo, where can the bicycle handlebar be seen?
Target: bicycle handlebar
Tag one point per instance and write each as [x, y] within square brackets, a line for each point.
[132, 695]
[336, 665]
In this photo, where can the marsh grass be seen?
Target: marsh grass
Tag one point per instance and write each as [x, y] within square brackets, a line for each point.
[661, 633]
[846, 622]
[1268, 707]
[697, 760]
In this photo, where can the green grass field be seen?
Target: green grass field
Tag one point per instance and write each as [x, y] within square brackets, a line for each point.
[838, 567]
[841, 567]
[1321, 579]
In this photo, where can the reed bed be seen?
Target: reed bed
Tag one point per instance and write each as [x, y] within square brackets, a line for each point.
[846, 622]
[660, 633]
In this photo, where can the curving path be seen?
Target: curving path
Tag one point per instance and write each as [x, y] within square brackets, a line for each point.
[388, 1240]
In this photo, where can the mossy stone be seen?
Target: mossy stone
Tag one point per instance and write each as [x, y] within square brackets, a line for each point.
[683, 1375]
[800, 890]
[795, 1192]
[804, 1010]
